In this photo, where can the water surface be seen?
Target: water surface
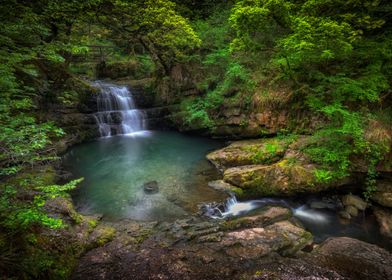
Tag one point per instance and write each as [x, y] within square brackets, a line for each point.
[116, 168]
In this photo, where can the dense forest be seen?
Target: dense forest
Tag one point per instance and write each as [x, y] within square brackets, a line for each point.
[310, 79]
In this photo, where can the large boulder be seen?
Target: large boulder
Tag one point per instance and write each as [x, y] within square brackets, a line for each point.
[354, 259]
[284, 178]
[277, 179]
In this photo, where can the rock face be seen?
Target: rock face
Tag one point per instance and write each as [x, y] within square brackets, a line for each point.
[383, 195]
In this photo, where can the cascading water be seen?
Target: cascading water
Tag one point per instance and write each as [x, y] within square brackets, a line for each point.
[322, 223]
[233, 207]
[117, 114]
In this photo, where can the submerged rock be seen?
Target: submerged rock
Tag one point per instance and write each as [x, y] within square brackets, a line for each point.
[355, 201]
[353, 211]
[345, 215]
[151, 187]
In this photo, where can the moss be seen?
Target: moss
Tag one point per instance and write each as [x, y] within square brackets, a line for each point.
[269, 151]
[106, 234]
[92, 224]
[238, 192]
[44, 175]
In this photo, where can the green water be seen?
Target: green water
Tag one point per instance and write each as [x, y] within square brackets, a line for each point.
[116, 168]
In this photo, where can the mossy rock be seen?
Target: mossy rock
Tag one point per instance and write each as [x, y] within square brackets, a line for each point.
[284, 178]
[100, 236]
[247, 152]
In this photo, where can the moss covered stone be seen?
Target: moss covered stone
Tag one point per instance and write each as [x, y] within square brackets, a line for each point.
[246, 152]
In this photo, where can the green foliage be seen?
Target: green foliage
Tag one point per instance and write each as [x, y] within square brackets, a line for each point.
[199, 111]
[16, 214]
[337, 53]
[156, 25]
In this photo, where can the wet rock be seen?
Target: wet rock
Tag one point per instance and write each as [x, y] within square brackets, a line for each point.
[354, 259]
[267, 217]
[221, 185]
[282, 237]
[383, 195]
[151, 187]
[212, 209]
[355, 201]
[323, 205]
[345, 215]
[384, 219]
[213, 237]
[100, 236]
[351, 210]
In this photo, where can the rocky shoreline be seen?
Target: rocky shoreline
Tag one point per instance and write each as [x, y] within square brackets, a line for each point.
[269, 244]
[266, 244]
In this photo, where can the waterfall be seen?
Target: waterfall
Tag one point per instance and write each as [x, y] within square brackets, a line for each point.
[117, 114]
[233, 207]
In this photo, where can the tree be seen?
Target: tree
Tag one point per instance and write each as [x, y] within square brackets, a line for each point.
[156, 25]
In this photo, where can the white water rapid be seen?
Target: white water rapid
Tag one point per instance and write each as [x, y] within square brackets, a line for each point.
[233, 207]
[117, 114]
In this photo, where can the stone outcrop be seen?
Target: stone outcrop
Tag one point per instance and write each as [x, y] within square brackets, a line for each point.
[270, 167]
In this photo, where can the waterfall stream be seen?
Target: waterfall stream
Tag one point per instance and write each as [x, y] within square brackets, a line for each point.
[117, 113]
[322, 223]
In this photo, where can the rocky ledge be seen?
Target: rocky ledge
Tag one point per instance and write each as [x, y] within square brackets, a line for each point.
[270, 244]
